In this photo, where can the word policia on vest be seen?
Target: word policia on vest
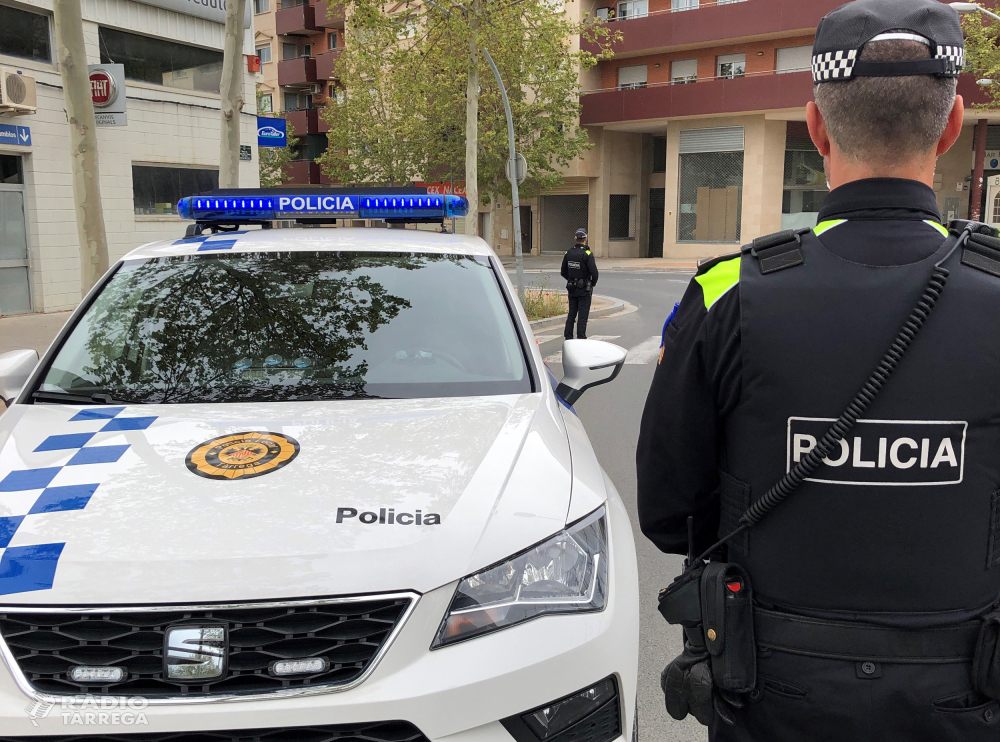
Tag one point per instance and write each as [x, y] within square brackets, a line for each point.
[890, 453]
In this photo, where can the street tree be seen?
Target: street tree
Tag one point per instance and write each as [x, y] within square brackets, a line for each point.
[273, 161]
[416, 84]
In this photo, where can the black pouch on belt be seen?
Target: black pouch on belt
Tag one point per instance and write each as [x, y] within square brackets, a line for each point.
[986, 662]
[727, 620]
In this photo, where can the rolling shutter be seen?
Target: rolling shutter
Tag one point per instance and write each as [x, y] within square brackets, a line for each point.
[727, 139]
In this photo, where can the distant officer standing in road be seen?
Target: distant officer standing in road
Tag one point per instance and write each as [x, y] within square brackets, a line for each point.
[580, 271]
[826, 404]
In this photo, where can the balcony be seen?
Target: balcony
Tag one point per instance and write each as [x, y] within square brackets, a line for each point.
[325, 63]
[716, 23]
[298, 20]
[761, 92]
[301, 71]
[303, 122]
[711, 97]
[329, 14]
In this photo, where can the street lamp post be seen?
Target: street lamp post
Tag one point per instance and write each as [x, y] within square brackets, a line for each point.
[512, 174]
[974, 8]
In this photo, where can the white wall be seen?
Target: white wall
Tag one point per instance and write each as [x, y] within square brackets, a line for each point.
[165, 126]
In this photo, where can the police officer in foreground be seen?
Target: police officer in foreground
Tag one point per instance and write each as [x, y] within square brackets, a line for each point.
[580, 271]
[826, 404]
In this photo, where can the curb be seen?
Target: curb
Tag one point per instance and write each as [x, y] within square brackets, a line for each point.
[617, 306]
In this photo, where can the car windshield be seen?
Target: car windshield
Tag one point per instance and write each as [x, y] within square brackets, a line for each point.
[285, 326]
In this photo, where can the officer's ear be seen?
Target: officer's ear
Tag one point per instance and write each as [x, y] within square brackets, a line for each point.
[817, 129]
[954, 128]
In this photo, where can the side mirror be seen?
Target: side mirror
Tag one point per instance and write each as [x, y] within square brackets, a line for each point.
[587, 363]
[15, 368]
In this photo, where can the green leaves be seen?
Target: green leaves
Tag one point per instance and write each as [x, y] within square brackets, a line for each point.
[404, 73]
[982, 54]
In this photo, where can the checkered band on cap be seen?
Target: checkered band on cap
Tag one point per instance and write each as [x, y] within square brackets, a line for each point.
[955, 54]
[833, 65]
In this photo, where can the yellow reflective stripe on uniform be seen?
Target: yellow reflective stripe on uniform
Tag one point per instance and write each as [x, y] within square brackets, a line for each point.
[939, 227]
[716, 281]
[827, 226]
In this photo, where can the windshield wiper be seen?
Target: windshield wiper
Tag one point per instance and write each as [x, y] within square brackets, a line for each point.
[67, 398]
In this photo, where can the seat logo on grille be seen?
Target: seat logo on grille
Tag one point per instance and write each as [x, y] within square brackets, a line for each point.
[195, 652]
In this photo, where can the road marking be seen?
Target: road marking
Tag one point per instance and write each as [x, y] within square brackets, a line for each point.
[557, 356]
[645, 352]
[545, 338]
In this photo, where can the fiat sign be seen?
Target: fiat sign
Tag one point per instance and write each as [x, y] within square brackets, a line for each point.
[107, 90]
[103, 88]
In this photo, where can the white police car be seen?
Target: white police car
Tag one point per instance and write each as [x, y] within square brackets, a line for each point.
[310, 484]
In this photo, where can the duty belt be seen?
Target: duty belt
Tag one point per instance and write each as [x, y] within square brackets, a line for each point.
[850, 640]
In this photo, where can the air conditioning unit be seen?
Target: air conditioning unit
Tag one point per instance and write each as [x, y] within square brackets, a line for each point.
[317, 88]
[17, 92]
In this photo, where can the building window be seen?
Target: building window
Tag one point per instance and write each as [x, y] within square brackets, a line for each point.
[24, 34]
[621, 218]
[632, 9]
[261, 6]
[156, 190]
[265, 103]
[794, 59]
[632, 77]
[264, 54]
[331, 40]
[307, 50]
[289, 51]
[710, 188]
[805, 179]
[996, 209]
[162, 62]
[684, 71]
[684, 5]
[731, 65]
[659, 154]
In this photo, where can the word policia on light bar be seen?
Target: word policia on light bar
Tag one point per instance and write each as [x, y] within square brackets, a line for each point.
[253, 206]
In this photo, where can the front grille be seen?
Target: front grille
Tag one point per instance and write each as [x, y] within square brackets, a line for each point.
[348, 634]
[602, 725]
[380, 731]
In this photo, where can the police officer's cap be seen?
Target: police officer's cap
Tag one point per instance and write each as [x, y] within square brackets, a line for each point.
[581, 234]
[842, 36]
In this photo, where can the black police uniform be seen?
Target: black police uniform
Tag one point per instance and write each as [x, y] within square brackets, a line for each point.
[874, 579]
[898, 532]
[580, 271]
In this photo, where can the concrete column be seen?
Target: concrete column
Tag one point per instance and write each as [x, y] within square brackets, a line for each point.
[976, 196]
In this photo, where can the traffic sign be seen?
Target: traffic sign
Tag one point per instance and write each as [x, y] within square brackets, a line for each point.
[11, 134]
[271, 132]
[521, 166]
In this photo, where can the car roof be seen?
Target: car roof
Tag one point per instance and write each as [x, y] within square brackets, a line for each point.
[317, 239]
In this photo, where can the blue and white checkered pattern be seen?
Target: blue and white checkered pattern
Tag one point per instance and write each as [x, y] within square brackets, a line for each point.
[833, 65]
[51, 489]
[222, 241]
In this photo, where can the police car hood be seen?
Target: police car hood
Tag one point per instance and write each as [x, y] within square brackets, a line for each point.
[143, 505]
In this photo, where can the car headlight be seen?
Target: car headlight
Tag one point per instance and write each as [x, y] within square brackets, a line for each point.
[567, 573]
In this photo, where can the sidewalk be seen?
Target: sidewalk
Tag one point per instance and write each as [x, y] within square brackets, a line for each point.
[552, 262]
[27, 331]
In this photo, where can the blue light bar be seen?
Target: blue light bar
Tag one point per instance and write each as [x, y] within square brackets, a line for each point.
[250, 206]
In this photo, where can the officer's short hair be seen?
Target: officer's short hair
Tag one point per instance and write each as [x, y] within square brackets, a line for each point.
[887, 120]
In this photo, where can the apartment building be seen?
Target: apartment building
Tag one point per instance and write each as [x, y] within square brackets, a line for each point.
[297, 42]
[168, 149]
[698, 123]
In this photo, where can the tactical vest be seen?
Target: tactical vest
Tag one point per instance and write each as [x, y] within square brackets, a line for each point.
[578, 280]
[905, 518]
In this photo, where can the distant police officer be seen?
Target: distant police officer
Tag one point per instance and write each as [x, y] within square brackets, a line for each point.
[580, 271]
[831, 397]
